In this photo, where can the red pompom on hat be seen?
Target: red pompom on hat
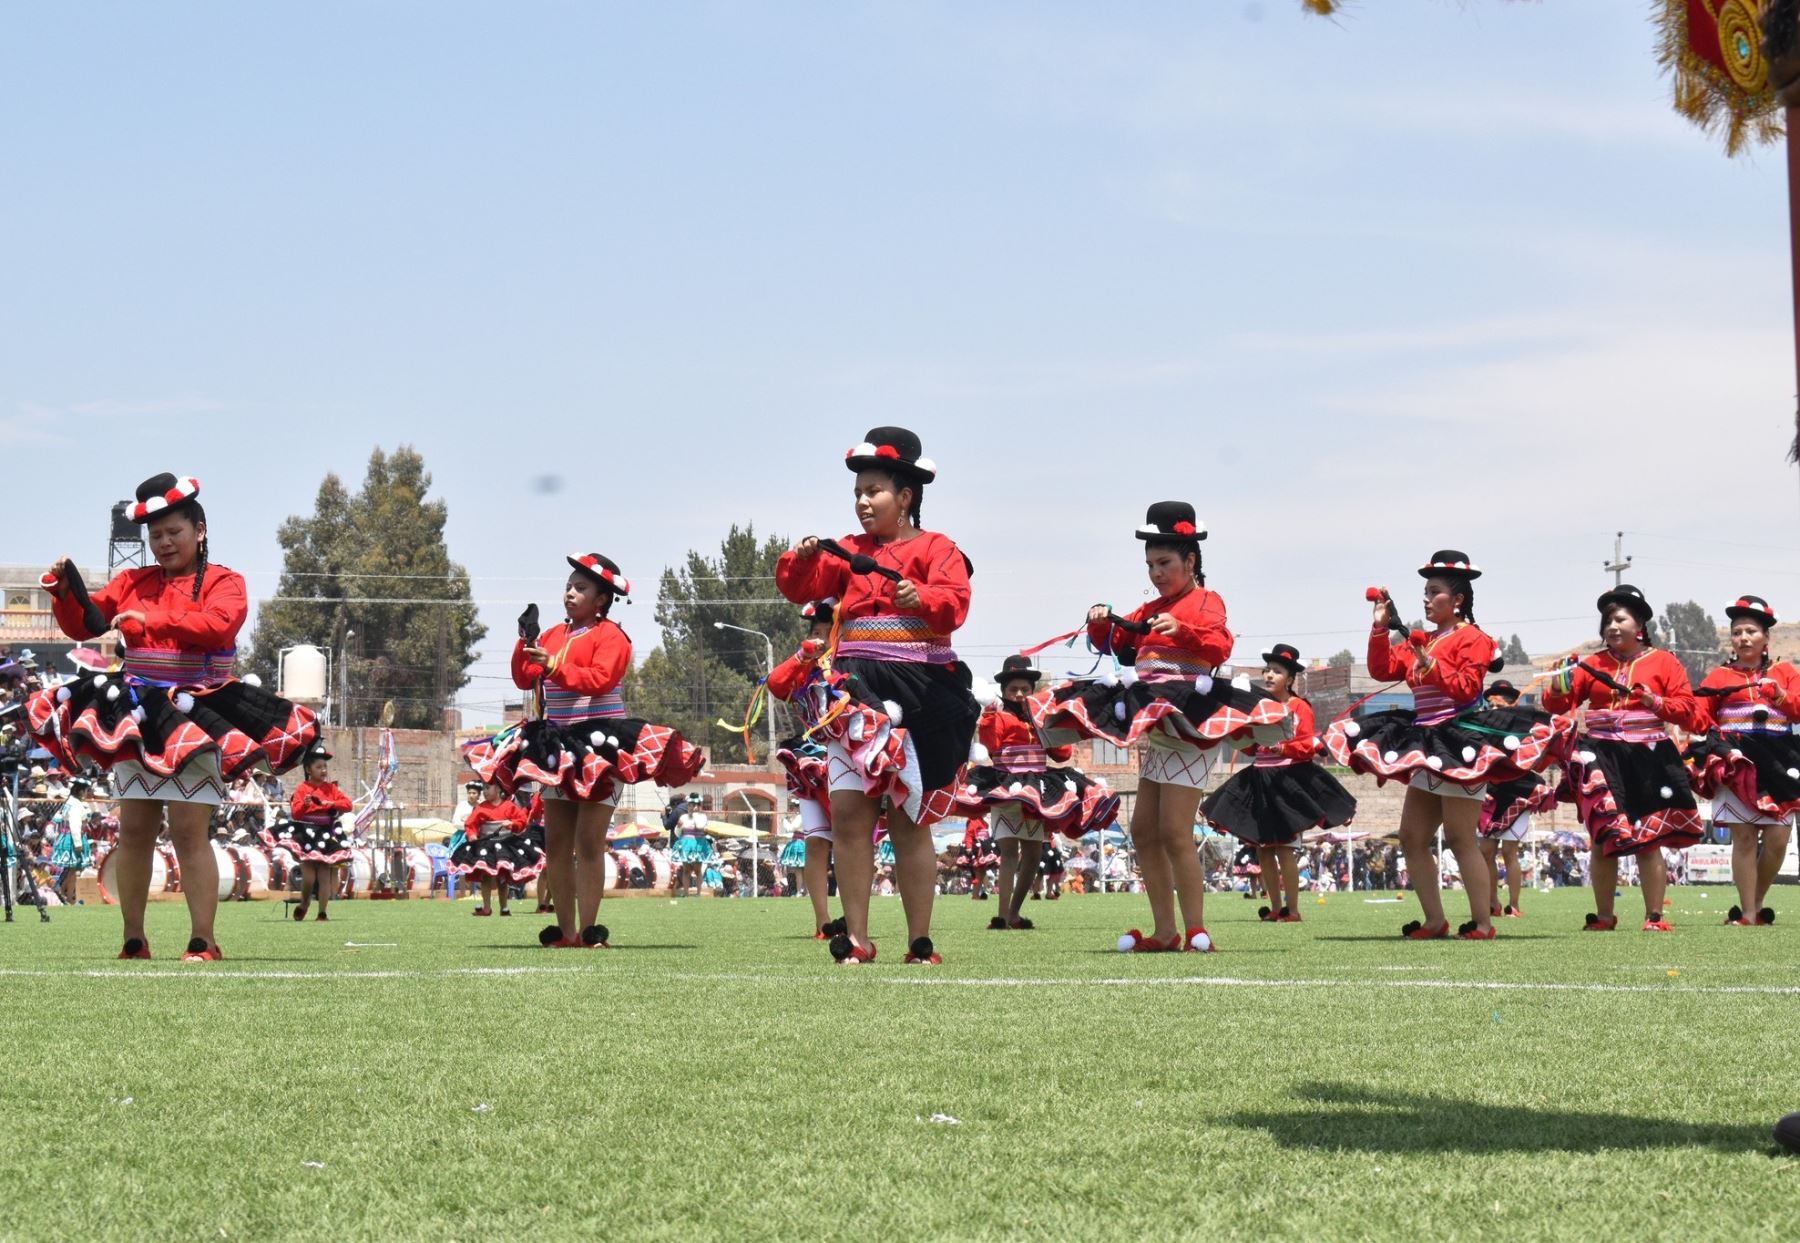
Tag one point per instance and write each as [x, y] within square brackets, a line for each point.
[603, 570]
[893, 449]
[159, 493]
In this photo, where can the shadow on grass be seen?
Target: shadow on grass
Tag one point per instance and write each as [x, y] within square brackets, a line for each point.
[559, 956]
[1349, 1119]
[1395, 938]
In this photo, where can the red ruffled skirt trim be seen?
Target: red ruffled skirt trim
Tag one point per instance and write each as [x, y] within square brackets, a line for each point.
[586, 761]
[108, 718]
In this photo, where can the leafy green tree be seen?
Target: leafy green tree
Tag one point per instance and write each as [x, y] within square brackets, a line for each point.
[1342, 660]
[368, 577]
[699, 674]
[1693, 636]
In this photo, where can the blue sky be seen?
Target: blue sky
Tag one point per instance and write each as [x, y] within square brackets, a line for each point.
[1436, 274]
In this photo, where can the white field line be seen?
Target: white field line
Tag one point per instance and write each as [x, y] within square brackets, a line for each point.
[202, 973]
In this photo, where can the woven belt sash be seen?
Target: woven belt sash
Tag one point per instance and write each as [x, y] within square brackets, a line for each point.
[563, 705]
[896, 637]
[179, 667]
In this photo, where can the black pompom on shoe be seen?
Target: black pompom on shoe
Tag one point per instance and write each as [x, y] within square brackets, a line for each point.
[1470, 926]
[835, 927]
[1410, 927]
[1263, 912]
[1766, 915]
[197, 946]
[997, 924]
[593, 935]
[1591, 919]
[840, 946]
[135, 946]
[922, 951]
[549, 936]
[1787, 1132]
[1734, 914]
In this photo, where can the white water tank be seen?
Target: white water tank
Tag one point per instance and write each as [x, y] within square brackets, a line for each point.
[303, 674]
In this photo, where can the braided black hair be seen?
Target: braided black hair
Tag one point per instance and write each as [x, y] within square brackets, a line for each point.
[1181, 548]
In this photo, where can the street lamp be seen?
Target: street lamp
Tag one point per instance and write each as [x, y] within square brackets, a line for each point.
[769, 716]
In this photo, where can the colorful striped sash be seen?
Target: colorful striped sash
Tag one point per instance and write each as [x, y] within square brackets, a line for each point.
[179, 666]
[1024, 758]
[1168, 664]
[1741, 718]
[1431, 706]
[1624, 725]
[562, 705]
[896, 637]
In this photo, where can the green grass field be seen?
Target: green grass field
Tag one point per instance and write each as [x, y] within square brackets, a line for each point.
[715, 1075]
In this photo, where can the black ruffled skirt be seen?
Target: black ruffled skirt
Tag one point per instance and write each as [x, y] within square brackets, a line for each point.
[1274, 806]
[1494, 744]
[1631, 796]
[936, 709]
[1123, 710]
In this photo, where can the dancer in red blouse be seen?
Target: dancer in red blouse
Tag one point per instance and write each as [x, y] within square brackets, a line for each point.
[496, 850]
[1282, 793]
[175, 725]
[313, 834]
[582, 747]
[1026, 799]
[1447, 747]
[1625, 775]
[1165, 698]
[895, 711]
[1506, 818]
[1745, 755]
[808, 780]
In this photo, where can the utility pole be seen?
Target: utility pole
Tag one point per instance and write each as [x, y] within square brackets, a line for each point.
[1620, 562]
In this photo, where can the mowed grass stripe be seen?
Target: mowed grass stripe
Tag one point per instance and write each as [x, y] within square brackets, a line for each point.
[716, 1076]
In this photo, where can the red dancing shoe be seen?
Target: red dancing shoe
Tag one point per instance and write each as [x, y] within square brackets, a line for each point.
[299, 914]
[1470, 932]
[135, 948]
[1135, 942]
[922, 952]
[481, 912]
[1656, 923]
[1416, 931]
[1595, 923]
[1287, 916]
[848, 953]
[1513, 912]
[320, 918]
[199, 951]
[1192, 936]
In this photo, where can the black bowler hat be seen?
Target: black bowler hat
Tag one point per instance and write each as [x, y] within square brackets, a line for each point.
[1450, 561]
[1284, 655]
[1506, 690]
[603, 570]
[314, 753]
[1755, 608]
[819, 611]
[1014, 668]
[895, 449]
[1171, 520]
[1631, 598]
[159, 492]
